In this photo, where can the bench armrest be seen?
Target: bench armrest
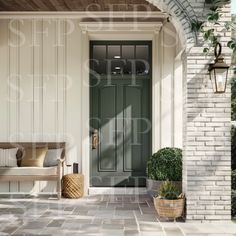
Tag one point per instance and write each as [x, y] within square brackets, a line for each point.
[61, 160]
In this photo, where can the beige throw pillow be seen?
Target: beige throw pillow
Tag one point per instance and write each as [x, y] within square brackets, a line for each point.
[34, 157]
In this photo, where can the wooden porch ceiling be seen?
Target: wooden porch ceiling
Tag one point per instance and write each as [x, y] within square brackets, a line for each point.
[77, 5]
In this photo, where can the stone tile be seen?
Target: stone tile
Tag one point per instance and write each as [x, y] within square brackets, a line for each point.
[35, 225]
[90, 228]
[173, 231]
[56, 223]
[150, 226]
[131, 233]
[97, 215]
[106, 232]
[114, 221]
[112, 226]
[27, 232]
[154, 233]
[9, 229]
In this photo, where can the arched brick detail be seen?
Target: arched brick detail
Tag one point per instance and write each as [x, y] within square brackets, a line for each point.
[206, 119]
[182, 13]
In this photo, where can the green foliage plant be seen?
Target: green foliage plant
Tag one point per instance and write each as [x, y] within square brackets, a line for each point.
[166, 164]
[206, 27]
[168, 191]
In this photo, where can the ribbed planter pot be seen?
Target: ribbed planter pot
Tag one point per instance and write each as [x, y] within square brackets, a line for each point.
[153, 186]
[169, 208]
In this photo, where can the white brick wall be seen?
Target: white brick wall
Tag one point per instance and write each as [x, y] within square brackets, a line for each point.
[207, 171]
[206, 151]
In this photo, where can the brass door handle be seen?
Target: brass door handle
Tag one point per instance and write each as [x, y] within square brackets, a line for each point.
[95, 139]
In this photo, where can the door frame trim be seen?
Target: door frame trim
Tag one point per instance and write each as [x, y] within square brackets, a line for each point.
[86, 36]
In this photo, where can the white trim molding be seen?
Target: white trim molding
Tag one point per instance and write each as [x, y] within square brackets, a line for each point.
[82, 14]
[124, 33]
[143, 27]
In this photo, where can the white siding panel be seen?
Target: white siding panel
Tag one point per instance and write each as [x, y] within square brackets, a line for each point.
[73, 95]
[14, 88]
[168, 54]
[178, 104]
[38, 79]
[26, 87]
[49, 80]
[4, 71]
[26, 83]
[61, 44]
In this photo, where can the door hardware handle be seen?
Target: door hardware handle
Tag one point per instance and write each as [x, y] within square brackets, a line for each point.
[94, 139]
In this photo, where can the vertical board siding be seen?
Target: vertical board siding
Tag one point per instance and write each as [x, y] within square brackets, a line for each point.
[13, 86]
[33, 92]
[37, 51]
[44, 89]
[73, 93]
[49, 80]
[26, 86]
[168, 54]
[4, 91]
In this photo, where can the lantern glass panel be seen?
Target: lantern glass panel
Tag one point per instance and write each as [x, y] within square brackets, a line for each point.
[213, 81]
[220, 79]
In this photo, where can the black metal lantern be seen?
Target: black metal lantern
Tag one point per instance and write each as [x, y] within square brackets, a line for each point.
[218, 71]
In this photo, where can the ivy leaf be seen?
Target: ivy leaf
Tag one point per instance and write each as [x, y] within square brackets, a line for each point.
[196, 25]
[207, 34]
[206, 50]
[227, 25]
[232, 45]
[214, 8]
[213, 16]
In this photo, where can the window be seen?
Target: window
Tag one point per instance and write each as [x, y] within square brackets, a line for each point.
[120, 58]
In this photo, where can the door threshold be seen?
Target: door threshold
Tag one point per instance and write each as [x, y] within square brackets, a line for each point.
[117, 190]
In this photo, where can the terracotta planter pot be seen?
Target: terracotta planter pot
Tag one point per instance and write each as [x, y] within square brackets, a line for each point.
[169, 208]
[153, 186]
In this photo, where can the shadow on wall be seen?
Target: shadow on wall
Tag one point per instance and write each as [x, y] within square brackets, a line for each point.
[205, 107]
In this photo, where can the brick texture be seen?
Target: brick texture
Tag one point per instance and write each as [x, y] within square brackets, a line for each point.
[207, 121]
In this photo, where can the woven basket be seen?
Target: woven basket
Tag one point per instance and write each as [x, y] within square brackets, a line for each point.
[169, 208]
[73, 186]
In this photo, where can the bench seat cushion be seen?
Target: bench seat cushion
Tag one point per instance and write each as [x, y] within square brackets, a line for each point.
[24, 171]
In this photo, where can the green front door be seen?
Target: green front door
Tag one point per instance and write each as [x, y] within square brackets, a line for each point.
[120, 112]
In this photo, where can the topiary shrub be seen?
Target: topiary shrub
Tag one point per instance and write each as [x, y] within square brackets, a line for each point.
[166, 164]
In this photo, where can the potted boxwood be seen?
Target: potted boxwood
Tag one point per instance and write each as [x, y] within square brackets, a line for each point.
[166, 164]
[169, 203]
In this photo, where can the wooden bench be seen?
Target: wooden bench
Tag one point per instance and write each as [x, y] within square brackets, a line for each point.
[53, 173]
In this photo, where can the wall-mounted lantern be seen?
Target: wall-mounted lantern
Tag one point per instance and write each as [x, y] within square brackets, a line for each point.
[218, 71]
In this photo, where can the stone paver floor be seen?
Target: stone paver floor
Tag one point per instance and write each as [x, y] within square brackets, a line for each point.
[112, 215]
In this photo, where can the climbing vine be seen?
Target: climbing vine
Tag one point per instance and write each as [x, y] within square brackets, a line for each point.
[207, 27]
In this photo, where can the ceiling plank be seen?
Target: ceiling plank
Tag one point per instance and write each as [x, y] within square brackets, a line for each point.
[76, 5]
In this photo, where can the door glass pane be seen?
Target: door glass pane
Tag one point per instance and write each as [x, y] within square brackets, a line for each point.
[121, 59]
[142, 52]
[99, 52]
[99, 66]
[99, 56]
[113, 52]
[114, 60]
[128, 51]
[128, 55]
[142, 62]
[116, 67]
